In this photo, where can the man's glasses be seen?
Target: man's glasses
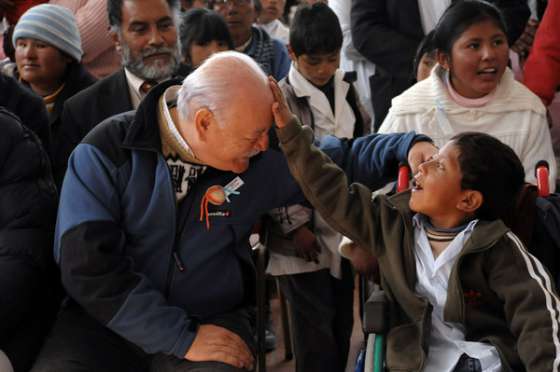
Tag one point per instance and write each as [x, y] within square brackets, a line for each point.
[224, 3]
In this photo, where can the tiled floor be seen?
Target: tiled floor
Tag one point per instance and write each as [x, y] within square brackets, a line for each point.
[275, 360]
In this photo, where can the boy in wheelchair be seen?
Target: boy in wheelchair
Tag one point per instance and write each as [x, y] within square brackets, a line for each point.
[463, 292]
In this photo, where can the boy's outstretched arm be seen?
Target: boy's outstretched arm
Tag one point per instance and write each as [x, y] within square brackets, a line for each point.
[417, 149]
[347, 208]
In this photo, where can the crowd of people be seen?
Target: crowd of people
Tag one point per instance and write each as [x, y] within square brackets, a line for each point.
[143, 141]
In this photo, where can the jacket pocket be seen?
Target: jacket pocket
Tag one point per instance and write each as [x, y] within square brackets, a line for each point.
[403, 350]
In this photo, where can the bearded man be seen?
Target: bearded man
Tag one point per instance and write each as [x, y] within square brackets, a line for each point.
[145, 35]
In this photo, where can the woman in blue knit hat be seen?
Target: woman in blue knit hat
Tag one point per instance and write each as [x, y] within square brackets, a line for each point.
[48, 52]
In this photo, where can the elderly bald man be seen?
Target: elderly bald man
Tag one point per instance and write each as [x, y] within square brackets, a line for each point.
[155, 215]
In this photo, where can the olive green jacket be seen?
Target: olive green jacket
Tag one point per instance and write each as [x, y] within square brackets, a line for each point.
[499, 293]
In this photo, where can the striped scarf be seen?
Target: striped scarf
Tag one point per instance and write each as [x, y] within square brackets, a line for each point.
[261, 50]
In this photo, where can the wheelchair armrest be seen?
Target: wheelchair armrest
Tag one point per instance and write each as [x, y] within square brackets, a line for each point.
[376, 311]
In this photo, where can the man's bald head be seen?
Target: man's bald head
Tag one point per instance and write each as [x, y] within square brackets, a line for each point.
[226, 83]
[225, 111]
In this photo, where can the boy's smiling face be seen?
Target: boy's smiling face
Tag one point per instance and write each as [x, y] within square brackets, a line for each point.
[437, 191]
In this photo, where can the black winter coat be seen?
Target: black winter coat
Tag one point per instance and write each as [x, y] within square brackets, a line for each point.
[28, 201]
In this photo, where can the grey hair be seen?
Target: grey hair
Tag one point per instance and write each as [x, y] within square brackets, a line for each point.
[209, 87]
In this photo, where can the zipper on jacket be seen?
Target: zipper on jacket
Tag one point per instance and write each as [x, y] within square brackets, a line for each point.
[180, 222]
[178, 261]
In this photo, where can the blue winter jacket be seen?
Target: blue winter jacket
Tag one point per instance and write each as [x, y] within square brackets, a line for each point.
[147, 267]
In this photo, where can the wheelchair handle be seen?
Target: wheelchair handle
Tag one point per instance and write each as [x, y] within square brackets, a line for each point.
[403, 177]
[541, 173]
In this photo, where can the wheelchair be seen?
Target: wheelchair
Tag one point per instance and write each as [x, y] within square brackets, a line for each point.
[374, 306]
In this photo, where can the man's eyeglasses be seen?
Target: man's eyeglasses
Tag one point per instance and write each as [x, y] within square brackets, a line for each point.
[223, 3]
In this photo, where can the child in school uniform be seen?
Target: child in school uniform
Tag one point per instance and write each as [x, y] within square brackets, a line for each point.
[464, 294]
[317, 282]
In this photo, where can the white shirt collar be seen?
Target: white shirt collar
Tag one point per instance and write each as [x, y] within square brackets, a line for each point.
[134, 84]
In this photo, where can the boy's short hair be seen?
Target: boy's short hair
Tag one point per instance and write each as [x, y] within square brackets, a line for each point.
[315, 29]
[492, 168]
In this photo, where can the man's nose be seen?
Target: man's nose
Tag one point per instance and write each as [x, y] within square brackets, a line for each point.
[156, 38]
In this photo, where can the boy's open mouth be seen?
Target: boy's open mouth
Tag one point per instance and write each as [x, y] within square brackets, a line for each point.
[416, 186]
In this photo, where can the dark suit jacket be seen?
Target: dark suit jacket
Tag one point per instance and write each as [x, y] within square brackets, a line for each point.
[107, 97]
[387, 32]
[77, 80]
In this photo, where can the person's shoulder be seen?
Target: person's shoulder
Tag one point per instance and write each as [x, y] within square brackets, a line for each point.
[11, 88]
[109, 135]
[522, 97]
[418, 98]
[99, 90]
[10, 124]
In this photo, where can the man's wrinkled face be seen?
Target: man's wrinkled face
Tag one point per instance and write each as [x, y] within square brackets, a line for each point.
[147, 39]
[244, 135]
[238, 132]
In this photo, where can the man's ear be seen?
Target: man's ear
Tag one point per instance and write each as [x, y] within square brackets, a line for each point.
[471, 201]
[203, 121]
[443, 59]
[116, 40]
[291, 53]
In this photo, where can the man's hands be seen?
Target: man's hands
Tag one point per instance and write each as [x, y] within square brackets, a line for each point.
[306, 244]
[419, 153]
[280, 109]
[217, 344]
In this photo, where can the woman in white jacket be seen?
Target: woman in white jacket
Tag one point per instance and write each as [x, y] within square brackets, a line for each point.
[471, 89]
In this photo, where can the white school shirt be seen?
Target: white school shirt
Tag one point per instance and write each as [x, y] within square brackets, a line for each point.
[447, 340]
[340, 124]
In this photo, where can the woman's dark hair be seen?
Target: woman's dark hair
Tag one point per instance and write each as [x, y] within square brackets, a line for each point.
[492, 168]
[201, 26]
[459, 16]
[428, 47]
[315, 29]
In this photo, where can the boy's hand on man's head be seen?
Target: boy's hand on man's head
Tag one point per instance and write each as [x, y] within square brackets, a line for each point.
[420, 152]
[280, 109]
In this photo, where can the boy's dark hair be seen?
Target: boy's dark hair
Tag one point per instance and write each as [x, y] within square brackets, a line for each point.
[315, 29]
[114, 11]
[426, 46]
[201, 26]
[492, 168]
[459, 16]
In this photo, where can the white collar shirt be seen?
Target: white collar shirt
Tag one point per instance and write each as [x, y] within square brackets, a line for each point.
[340, 123]
[447, 340]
